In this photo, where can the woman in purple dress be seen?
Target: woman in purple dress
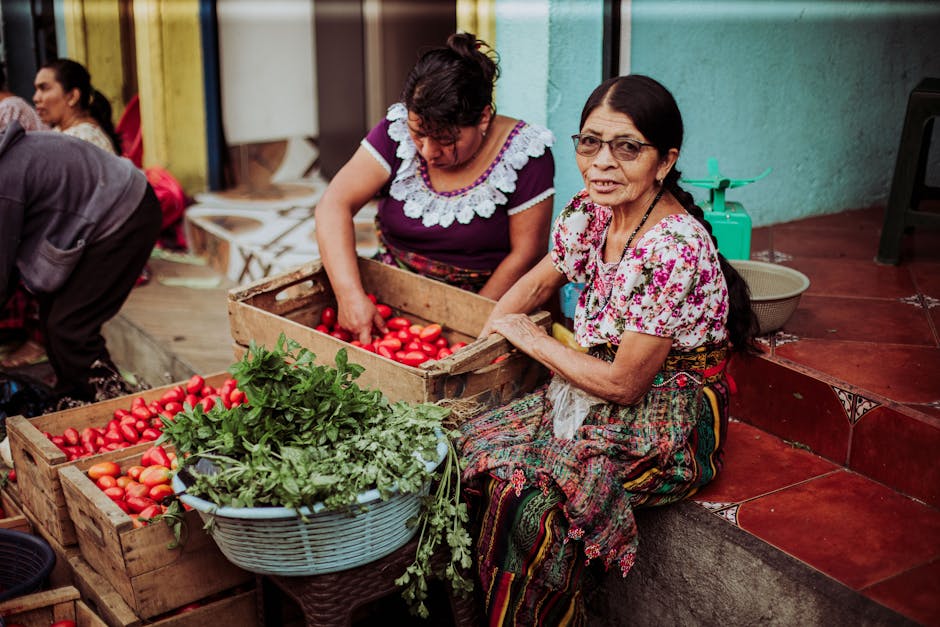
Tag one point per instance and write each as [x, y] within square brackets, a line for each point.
[465, 194]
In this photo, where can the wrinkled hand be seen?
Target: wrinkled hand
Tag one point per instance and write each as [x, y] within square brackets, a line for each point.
[519, 329]
[359, 316]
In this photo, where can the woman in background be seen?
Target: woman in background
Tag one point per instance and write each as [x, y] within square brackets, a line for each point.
[66, 101]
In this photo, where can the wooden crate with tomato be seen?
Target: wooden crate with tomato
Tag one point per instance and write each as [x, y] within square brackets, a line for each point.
[135, 557]
[238, 606]
[37, 459]
[488, 370]
[61, 607]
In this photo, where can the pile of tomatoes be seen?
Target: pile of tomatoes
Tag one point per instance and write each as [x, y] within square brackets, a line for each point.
[405, 342]
[143, 421]
[141, 490]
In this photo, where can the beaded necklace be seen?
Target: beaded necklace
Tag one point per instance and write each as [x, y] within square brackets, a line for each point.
[600, 308]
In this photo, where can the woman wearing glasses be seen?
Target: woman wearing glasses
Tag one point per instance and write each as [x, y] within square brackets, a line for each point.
[640, 418]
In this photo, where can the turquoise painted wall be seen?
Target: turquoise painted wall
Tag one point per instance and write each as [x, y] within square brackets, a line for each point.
[816, 90]
[550, 52]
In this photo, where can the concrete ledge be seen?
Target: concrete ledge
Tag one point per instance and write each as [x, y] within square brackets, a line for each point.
[694, 568]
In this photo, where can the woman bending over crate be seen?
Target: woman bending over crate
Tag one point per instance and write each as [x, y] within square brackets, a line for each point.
[465, 194]
[640, 418]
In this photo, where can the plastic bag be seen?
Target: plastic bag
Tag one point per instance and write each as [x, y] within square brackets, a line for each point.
[570, 406]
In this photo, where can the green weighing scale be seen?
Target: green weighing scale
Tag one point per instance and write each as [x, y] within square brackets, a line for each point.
[730, 222]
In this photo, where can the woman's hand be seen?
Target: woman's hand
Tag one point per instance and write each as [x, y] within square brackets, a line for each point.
[358, 315]
[519, 330]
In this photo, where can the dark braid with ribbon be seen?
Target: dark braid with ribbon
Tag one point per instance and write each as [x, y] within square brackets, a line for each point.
[742, 323]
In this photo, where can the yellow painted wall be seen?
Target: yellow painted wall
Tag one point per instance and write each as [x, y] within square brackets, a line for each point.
[93, 36]
[169, 75]
[170, 80]
[478, 17]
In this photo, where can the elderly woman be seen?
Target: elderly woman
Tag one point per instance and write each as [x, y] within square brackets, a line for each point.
[465, 194]
[640, 418]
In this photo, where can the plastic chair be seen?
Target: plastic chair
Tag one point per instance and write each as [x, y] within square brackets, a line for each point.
[908, 186]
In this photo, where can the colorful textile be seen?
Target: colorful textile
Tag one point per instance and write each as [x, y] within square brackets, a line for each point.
[655, 452]
[470, 280]
[469, 227]
[669, 284]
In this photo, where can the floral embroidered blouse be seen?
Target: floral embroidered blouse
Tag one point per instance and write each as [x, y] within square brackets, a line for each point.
[468, 227]
[92, 134]
[669, 284]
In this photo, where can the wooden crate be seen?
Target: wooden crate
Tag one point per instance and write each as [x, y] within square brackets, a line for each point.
[137, 562]
[37, 460]
[14, 519]
[230, 607]
[41, 609]
[292, 302]
[61, 574]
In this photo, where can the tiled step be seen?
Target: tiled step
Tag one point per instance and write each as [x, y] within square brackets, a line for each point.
[782, 537]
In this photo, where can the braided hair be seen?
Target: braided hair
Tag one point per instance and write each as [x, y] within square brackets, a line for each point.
[73, 75]
[655, 114]
[451, 85]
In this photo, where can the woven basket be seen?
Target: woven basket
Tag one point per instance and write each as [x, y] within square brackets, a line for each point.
[277, 541]
[25, 562]
[775, 291]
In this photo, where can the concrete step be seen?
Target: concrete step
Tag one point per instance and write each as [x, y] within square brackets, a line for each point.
[694, 568]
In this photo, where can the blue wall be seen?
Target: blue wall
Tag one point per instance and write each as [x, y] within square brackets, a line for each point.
[816, 90]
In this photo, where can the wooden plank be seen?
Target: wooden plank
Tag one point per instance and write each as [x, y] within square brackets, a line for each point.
[37, 460]
[137, 561]
[14, 519]
[41, 608]
[61, 574]
[85, 617]
[101, 595]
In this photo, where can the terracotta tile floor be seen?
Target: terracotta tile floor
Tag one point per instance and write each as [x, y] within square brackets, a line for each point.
[832, 456]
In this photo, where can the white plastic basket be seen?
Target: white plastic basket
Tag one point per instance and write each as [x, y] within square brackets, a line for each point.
[277, 541]
[775, 291]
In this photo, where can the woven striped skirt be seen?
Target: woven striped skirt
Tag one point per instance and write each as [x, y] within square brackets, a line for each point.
[546, 507]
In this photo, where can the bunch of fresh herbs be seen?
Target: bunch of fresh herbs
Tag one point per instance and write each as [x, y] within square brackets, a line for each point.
[309, 434]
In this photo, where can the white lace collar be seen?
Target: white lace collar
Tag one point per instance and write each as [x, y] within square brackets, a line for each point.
[478, 199]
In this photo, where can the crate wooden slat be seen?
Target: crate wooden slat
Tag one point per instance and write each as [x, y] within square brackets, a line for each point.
[292, 302]
[41, 609]
[61, 574]
[37, 460]
[230, 608]
[137, 562]
[14, 519]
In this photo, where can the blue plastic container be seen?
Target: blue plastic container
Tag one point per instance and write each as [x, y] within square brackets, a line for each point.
[25, 563]
[570, 293]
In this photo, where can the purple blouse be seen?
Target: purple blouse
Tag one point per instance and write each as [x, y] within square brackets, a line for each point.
[468, 227]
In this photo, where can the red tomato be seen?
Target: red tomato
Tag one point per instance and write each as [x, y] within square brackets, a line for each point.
[322, 328]
[372, 297]
[115, 494]
[130, 433]
[160, 492]
[237, 397]
[392, 343]
[398, 323]
[138, 401]
[444, 352]
[413, 345]
[429, 349]
[502, 357]
[113, 436]
[385, 351]
[141, 413]
[384, 310]
[442, 342]
[149, 434]
[172, 396]
[404, 335]
[63, 623]
[134, 472]
[174, 407]
[137, 504]
[155, 475]
[135, 490]
[207, 391]
[120, 413]
[191, 399]
[430, 332]
[207, 403]
[195, 383]
[416, 329]
[341, 334]
[414, 358]
[71, 436]
[99, 470]
[106, 481]
[456, 346]
[328, 316]
[155, 456]
[152, 512]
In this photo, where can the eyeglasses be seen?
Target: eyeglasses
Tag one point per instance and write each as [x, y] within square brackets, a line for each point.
[622, 148]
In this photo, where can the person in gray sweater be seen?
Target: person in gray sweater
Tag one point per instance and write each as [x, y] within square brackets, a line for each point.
[76, 226]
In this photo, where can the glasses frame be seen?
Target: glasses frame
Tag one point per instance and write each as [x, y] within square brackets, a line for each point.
[576, 138]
